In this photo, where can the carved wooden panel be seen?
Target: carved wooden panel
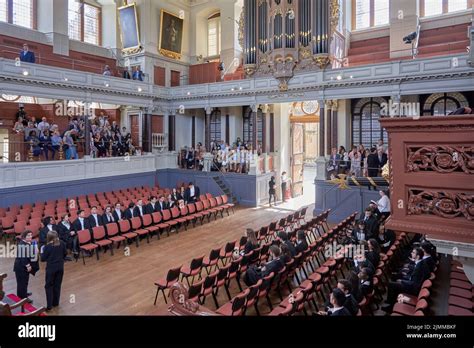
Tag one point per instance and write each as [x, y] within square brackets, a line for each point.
[441, 158]
[432, 176]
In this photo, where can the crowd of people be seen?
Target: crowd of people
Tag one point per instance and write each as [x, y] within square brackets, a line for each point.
[358, 162]
[226, 158]
[107, 140]
[58, 239]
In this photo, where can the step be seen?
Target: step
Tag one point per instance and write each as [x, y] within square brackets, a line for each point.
[460, 29]
[440, 39]
[369, 57]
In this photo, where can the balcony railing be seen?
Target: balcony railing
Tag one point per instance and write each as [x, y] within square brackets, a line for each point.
[159, 141]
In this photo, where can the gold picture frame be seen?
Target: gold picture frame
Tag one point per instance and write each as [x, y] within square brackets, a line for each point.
[171, 35]
[127, 21]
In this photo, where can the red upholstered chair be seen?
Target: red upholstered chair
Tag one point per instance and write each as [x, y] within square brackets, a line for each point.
[226, 204]
[191, 216]
[200, 214]
[100, 239]
[137, 227]
[125, 231]
[85, 244]
[194, 291]
[284, 311]
[163, 284]
[208, 287]
[194, 269]
[264, 290]
[233, 273]
[211, 260]
[7, 224]
[252, 295]
[405, 309]
[155, 226]
[168, 223]
[227, 252]
[207, 212]
[235, 307]
[113, 233]
[182, 218]
[220, 281]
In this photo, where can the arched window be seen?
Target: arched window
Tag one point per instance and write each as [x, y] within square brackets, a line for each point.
[248, 126]
[216, 125]
[443, 103]
[366, 129]
[84, 22]
[19, 12]
[214, 35]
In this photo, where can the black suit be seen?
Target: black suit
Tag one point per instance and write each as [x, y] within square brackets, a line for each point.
[188, 198]
[351, 305]
[136, 211]
[411, 286]
[128, 214]
[291, 247]
[387, 241]
[382, 160]
[65, 235]
[430, 262]
[54, 258]
[150, 209]
[161, 206]
[43, 233]
[107, 219]
[93, 222]
[19, 267]
[116, 215]
[373, 165]
[301, 247]
[359, 235]
[78, 226]
[274, 265]
[371, 227]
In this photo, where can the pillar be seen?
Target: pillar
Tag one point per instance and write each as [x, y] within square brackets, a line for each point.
[254, 126]
[53, 21]
[321, 161]
[147, 131]
[404, 20]
[328, 108]
[334, 125]
[207, 131]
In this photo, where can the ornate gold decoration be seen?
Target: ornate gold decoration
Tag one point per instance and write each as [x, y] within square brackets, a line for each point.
[61, 152]
[340, 180]
[249, 69]
[305, 52]
[30, 152]
[164, 52]
[322, 61]
[335, 12]
[386, 171]
[241, 29]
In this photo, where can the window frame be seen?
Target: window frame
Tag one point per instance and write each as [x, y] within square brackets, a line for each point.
[470, 4]
[358, 107]
[216, 17]
[371, 17]
[82, 21]
[34, 15]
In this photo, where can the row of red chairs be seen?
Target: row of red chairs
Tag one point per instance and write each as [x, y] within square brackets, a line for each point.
[461, 292]
[16, 305]
[305, 291]
[149, 224]
[219, 275]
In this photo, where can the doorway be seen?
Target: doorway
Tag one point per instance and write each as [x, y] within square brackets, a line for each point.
[135, 130]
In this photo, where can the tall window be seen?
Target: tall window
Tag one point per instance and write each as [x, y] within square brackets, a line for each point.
[84, 22]
[214, 35]
[443, 103]
[216, 126]
[248, 126]
[366, 128]
[19, 12]
[438, 7]
[370, 13]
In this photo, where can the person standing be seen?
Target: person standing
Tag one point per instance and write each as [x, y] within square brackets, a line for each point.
[24, 264]
[271, 191]
[53, 253]
[26, 55]
[284, 180]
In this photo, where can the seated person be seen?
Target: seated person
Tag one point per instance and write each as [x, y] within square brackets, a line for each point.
[254, 274]
[348, 238]
[359, 233]
[410, 286]
[337, 300]
[365, 285]
[385, 238]
[301, 243]
[429, 256]
[252, 242]
[285, 254]
[350, 303]
[283, 239]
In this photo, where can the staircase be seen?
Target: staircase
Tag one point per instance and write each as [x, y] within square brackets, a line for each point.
[220, 181]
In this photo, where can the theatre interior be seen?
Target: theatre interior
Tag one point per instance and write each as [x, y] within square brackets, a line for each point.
[237, 157]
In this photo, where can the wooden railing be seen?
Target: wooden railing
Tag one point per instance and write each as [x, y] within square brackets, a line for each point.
[432, 176]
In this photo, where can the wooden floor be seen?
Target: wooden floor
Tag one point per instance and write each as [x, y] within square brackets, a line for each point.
[123, 285]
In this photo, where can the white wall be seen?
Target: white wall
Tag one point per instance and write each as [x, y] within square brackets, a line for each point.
[282, 136]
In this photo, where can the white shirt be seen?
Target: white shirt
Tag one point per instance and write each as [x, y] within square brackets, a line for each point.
[191, 191]
[383, 204]
[81, 220]
[119, 213]
[141, 209]
[50, 227]
[96, 220]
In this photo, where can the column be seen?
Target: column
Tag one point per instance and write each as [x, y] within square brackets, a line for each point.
[321, 161]
[328, 108]
[230, 48]
[265, 117]
[404, 20]
[254, 126]
[172, 130]
[147, 145]
[53, 21]
[334, 136]
[207, 131]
